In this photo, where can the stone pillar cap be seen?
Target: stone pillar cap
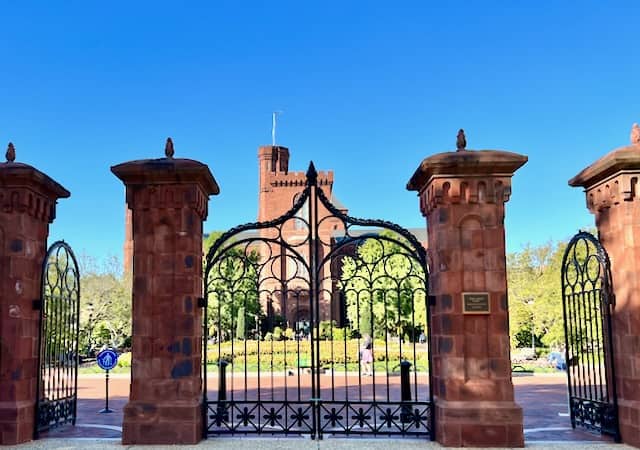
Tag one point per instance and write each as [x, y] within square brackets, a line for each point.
[623, 158]
[466, 162]
[15, 174]
[167, 171]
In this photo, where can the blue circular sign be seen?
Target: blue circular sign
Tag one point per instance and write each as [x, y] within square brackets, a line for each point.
[107, 359]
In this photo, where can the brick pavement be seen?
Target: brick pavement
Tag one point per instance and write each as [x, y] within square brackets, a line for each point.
[542, 398]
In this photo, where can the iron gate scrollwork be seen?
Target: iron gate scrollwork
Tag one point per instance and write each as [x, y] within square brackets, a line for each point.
[317, 323]
[587, 301]
[58, 339]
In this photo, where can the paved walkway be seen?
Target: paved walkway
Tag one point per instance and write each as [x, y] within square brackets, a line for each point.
[543, 397]
[298, 444]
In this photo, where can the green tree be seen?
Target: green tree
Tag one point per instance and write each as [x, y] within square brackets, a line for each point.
[535, 298]
[105, 305]
[232, 285]
[384, 285]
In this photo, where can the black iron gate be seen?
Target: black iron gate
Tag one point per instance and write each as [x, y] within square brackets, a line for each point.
[587, 302]
[58, 340]
[317, 323]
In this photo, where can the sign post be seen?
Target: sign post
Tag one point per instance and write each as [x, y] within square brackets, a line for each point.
[107, 360]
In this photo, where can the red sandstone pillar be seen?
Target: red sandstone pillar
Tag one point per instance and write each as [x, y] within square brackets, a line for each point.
[611, 186]
[27, 207]
[462, 195]
[168, 200]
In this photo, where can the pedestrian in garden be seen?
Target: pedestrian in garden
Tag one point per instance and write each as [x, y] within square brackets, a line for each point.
[366, 355]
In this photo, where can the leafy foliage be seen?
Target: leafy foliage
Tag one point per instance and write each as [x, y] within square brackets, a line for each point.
[535, 298]
[105, 305]
[232, 287]
[385, 287]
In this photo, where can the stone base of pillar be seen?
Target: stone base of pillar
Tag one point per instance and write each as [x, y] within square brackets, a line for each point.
[16, 422]
[629, 418]
[163, 423]
[479, 424]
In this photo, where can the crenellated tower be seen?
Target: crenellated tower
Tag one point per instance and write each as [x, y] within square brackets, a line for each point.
[277, 186]
[278, 191]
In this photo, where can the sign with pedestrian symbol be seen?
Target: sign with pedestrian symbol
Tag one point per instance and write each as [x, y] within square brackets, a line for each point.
[107, 359]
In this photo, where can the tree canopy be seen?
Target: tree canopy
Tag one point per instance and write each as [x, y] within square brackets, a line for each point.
[535, 296]
[384, 287]
[232, 288]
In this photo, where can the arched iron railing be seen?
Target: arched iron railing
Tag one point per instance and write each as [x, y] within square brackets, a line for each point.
[587, 300]
[58, 339]
[310, 318]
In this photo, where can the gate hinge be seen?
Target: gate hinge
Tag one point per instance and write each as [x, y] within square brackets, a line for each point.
[202, 302]
[37, 304]
[432, 300]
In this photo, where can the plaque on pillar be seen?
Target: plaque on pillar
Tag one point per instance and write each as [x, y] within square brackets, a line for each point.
[476, 303]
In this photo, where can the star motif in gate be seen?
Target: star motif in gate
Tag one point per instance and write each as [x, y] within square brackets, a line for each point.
[221, 415]
[272, 417]
[417, 418]
[333, 417]
[245, 416]
[388, 418]
[361, 417]
[300, 416]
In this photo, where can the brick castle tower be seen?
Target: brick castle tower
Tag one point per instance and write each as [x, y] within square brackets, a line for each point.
[278, 191]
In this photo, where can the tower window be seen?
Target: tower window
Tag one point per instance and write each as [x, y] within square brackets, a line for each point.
[303, 213]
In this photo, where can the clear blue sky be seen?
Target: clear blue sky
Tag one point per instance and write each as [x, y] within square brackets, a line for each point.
[367, 89]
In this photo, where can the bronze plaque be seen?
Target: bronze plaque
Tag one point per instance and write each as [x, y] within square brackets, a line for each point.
[475, 303]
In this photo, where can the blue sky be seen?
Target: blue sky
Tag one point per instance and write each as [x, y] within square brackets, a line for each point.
[368, 89]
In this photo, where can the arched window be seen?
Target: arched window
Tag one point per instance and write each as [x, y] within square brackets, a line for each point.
[303, 213]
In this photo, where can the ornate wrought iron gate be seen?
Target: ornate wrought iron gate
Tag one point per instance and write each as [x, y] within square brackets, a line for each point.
[317, 323]
[587, 302]
[58, 342]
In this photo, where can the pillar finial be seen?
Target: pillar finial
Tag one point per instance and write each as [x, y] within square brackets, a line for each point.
[635, 134]
[11, 153]
[461, 142]
[168, 148]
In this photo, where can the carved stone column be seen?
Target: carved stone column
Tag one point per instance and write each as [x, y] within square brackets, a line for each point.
[611, 187]
[168, 201]
[463, 196]
[27, 207]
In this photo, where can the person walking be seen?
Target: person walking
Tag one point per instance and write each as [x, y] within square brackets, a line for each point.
[366, 356]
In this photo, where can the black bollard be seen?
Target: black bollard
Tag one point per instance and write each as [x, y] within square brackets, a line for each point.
[223, 408]
[405, 391]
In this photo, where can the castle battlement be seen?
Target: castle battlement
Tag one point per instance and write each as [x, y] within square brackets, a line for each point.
[297, 179]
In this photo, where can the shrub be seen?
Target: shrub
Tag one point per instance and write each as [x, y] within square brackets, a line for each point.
[325, 328]
[124, 360]
[289, 333]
